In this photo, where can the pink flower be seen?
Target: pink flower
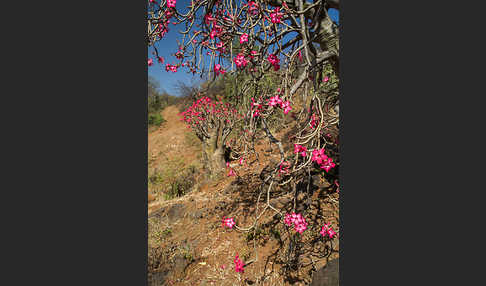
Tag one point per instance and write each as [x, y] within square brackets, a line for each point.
[314, 121]
[276, 15]
[229, 222]
[220, 47]
[173, 68]
[319, 156]
[324, 229]
[240, 61]
[289, 220]
[326, 79]
[252, 8]
[296, 148]
[218, 70]
[273, 59]
[328, 165]
[217, 30]
[331, 233]
[179, 55]
[275, 100]
[300, 225]
[167, 67]
[150, 62]
[242, 160]
[208, 18]
[244, 38]
[283, 168]
[238, 264]
[231, 172]
[171, 3]
[286, 106]
[161, 60]
[300, 149]
[327, 230]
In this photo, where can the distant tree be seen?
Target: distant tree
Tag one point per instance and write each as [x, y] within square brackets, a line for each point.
[187, 90]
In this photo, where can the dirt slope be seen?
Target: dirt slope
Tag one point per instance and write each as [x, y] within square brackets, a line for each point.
[169, 141]
[171, 148]
[187, 244]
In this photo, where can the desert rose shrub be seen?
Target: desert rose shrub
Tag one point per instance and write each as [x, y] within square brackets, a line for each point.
[212, 122]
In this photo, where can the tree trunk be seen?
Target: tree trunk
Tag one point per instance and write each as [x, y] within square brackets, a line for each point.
[213, 154]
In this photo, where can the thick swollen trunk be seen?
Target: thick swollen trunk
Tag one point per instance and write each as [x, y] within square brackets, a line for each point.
[213, 154]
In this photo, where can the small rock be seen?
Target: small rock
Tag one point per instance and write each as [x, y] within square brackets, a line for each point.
[157, 278]
[180, 264]
[328, 275]
[176, 212]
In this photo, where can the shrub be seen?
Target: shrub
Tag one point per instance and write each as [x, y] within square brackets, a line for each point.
[182, 184]
[155, 119]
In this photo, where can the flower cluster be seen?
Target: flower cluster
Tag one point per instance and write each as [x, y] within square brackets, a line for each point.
[179, 55]
[244, 38]
[327, 230]
[172, 68]
[283, 168]
[277, 101]
[258, 106]
[240, 61]
[274, 61]
[321, 158]
[208, 19]
[204, 108]
[228, 222]
[300, 149]
[218, 69]
[238, 264]
[252, 8]
[150, 62]
[298, 220]
[217, 31]
[276, 15]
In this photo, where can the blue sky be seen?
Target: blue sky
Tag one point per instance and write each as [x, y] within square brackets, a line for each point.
[168, 46]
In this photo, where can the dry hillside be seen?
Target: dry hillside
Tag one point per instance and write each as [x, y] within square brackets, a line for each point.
[187, 244]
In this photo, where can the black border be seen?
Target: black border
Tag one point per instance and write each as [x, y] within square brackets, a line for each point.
[78, 166]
